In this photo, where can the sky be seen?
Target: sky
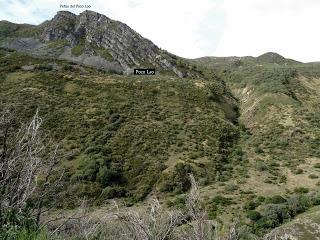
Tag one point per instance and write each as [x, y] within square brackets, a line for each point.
[197, 28]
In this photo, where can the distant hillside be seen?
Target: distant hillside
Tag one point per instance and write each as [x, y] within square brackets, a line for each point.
[8, 29]
[267, 58]
[91, 39]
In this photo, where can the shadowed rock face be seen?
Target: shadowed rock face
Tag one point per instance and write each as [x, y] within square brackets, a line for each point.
[99, 41]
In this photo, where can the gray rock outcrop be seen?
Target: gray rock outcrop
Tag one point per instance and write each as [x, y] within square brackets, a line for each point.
[93, 39]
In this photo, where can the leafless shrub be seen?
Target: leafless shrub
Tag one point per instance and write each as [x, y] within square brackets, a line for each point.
[81, 224]
[163, 224]
[26, 173]
[199, 227]
[156, 224]
[20, 163]
[52, 174]
[282, 234]
[233, 231]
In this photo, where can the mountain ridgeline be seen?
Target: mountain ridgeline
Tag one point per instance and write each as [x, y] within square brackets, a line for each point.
[266, 58]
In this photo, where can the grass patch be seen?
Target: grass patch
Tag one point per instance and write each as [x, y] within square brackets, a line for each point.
[79, 48]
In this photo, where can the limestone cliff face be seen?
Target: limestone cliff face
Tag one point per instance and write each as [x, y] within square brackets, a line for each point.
[94, 39]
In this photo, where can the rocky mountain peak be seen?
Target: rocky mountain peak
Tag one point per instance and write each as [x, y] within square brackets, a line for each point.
[64, 15]
[93, 17]
[94, 39]
[91, 13]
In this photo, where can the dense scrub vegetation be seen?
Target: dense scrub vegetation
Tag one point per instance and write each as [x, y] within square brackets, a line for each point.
[27, 181]
[24, 199]
[125, 136]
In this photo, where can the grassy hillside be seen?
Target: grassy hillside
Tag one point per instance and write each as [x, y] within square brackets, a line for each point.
[279, 106]
[124, 136]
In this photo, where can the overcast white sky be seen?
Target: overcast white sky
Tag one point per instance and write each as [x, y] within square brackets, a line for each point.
[195, 28]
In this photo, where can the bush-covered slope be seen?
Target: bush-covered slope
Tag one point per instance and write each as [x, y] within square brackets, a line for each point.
[128, 136]
[124, 136]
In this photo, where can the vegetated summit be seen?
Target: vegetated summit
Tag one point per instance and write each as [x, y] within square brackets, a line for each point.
[89, 38]
[266, 58]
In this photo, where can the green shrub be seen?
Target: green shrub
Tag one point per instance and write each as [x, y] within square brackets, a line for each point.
[113, 192]
[261, 166]
[12, 68]
[251, 205]
[253, 215]
[274, 215]
[301, 190]
[265, 223]
[298, 171]
[222, 201]
[177, 181]
[258, 150]
[110, 175]
[14, 223]
[217, 204]
[90, 171]
[313, 176]
[268, 180]
[260, 199]
[274, 164]
[317, 165]
[237, 154]
[43, 67]
[231, 187]
[299, 204]
[215, 91]
[178, 202]
[277, 199]
[26, 234]
[68, 67]
[283, 179]
[78, 49]
[315, 199]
